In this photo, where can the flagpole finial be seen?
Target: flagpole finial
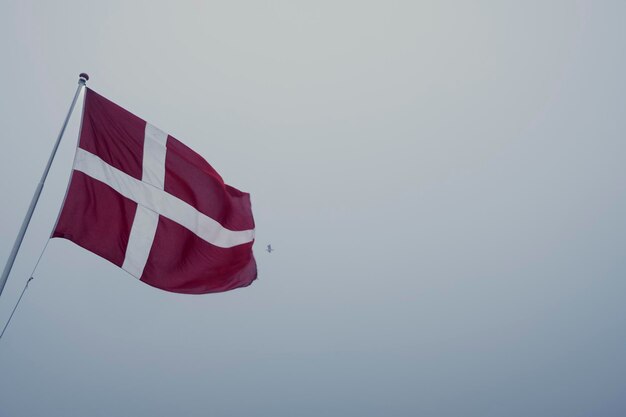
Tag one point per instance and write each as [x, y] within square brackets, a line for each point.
[83, 78]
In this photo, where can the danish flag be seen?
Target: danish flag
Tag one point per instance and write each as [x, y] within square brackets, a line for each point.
[150, 205]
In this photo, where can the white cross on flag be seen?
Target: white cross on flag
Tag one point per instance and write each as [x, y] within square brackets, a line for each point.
[147, 203]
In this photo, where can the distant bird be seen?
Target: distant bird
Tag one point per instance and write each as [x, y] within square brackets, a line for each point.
[269, 249]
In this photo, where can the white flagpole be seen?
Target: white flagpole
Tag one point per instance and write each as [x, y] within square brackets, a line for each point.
[82, 79]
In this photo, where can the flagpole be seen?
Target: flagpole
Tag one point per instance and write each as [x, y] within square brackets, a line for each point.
[82, 79]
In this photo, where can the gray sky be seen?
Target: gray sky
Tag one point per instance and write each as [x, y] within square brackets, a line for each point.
[444, 184]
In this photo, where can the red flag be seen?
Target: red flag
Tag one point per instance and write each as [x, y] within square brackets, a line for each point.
[144, 201]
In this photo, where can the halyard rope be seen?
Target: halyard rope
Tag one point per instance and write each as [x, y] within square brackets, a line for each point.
[32, 276]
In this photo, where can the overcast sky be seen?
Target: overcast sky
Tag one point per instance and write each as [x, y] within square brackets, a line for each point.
[444, 184]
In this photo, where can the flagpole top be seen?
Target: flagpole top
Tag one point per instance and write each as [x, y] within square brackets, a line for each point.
[83, 78]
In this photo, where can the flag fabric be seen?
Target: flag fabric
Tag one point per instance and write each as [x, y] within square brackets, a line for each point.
[150, 205]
